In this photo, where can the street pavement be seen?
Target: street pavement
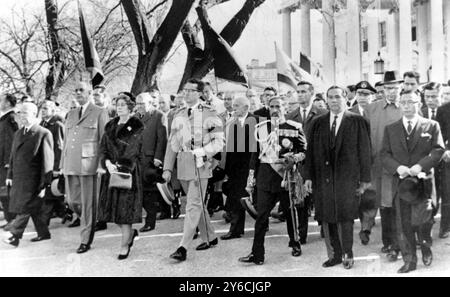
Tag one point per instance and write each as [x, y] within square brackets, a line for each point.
[150, 254]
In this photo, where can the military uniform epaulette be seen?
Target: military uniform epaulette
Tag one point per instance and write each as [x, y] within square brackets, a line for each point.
[295, 124]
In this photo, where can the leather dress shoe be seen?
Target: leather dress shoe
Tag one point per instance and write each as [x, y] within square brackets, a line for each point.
[83, 248]
[40, 238]
[409, 266]
[124, 256]
[296, 251]
[180, 254]
[100, 226]
[227, 217]
[364, 236]
[332, 262]
[392, 256]
[67, 218]
[427, 256]
[444, 234]
[75, 223]
[146, 228]
[303, 240]
[348, 261]
[205, 246]
[13, 240]
[251, 259]
[230, 236]
[133, 237]
[385, 249]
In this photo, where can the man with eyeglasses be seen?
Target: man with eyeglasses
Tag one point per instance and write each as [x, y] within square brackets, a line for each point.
[196, 136]
[380, 114]
[412, 146]
[443, 117]
[84, 130]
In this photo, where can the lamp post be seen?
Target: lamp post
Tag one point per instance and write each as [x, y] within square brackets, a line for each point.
[379, 65]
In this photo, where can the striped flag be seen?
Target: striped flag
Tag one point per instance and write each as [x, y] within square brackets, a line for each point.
[91, 58]
[287, 71]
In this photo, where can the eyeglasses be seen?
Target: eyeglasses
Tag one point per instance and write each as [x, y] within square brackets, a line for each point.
[408, 102]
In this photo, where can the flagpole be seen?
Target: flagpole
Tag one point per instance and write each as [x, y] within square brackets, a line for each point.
[278, 83]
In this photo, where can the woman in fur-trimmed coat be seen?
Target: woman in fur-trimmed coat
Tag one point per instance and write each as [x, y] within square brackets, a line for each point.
[121, 149]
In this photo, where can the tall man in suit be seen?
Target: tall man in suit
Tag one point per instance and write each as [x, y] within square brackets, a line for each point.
[412, 146]
[8, 126]
[84, 129]
[367, 209]
[443, 117]
[54, 123]
[153, 149]
[337, 169]
[305, 115]
[239, 146]
[29, 173]
[196, 136]
[380, 114]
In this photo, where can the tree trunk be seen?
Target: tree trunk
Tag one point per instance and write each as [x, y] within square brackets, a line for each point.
[55, 75]
[231, 33]
[152, 54]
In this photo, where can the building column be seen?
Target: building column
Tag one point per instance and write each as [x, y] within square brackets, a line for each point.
[287, 43]
[305, 26]
[422, 40]
[446, 11]
[354, 41]
[405, 36]
[437, 41]
[328, 42]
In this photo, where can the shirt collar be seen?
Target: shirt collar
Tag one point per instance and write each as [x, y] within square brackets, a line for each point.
[308, 109]
[339, 115]
[84, 107]
[413, 121]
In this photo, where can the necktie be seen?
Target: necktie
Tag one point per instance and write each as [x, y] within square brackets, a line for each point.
[409, 127]
[433, 114]
[81, 112]
[304, 117]
[333, 132]
[189, 112]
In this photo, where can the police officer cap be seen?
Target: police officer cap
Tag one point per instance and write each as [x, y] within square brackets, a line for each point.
[365, 85]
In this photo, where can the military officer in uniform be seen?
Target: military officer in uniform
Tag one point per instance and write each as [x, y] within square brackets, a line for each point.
[277, 138]
[196, 136]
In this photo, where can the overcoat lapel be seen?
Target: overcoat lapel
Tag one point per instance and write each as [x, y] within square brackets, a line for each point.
[416, 134]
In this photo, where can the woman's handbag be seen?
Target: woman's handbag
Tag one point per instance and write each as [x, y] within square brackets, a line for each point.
[121, 180]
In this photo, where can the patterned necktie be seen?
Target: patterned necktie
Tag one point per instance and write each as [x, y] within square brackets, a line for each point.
[333, 132]
[409, 128]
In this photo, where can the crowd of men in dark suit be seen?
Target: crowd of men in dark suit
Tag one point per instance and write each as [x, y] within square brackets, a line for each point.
[368, 149]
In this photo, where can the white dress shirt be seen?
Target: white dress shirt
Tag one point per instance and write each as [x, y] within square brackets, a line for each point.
[413, 122]
[430, 113]
[308, 110]
[338, 120]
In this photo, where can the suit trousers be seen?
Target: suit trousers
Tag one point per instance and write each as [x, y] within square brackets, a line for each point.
[150, 205]
[9, 216]
[266, 202]
[237, 212]
[196, 213]
[21, 221]
[388, 228]
[49, 206]
[407, 232]
[303, 214]
[339, 239]
[82, 196]
[445, 197]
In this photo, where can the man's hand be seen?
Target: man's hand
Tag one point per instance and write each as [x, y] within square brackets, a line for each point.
[403, 171]
[199, 152]
[308, 186]
[56, 173]
[167, 175]
[8, 182]
[362, 188]
[299, 157]
[415, 170]
[157, 163]
[41, 193]
[446, 156]
[101, 171]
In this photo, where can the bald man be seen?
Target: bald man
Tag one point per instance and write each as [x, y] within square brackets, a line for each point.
[30, 172]
[84, 130]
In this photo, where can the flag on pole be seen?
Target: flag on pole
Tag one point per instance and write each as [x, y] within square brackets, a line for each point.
[226, 65]
[91, 58]
[310, 67]
[287, 71]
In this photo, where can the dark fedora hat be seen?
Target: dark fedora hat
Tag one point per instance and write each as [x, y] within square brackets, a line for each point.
[153, 175]
[166, 192]
[391, 77]
[410, 189]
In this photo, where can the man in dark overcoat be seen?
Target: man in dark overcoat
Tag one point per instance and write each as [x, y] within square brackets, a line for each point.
[337, 170]
[412, 146]
[8, 126]
[30, 172]
[153, 149]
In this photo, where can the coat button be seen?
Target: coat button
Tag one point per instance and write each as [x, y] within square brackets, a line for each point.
[327, 163]
[327, 180]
